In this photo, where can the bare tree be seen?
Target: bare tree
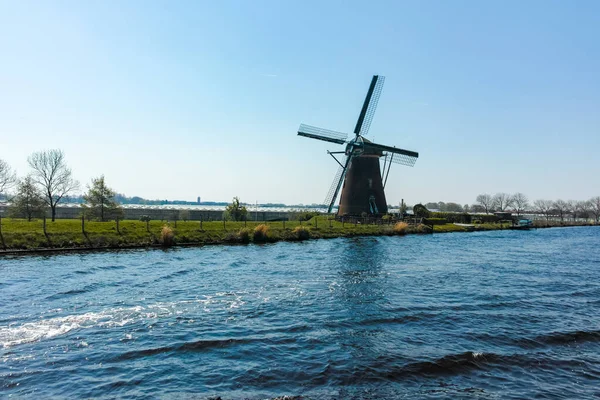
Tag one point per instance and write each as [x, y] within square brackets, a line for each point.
[580, 209]
[544, 207]
[502, 201]
[594, 205]
[8, 178]
[561, 207]
[486, 201]
[51, 174]
[520, 202]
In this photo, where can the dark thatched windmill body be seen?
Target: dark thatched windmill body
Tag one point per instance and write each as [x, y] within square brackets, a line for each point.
[360, 170]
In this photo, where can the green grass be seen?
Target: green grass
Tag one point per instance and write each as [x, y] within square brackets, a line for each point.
[18, 234]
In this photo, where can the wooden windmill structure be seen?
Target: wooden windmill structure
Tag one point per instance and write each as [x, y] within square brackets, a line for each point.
[360, 170]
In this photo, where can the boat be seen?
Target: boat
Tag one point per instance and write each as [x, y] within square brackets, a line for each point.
[522, 224]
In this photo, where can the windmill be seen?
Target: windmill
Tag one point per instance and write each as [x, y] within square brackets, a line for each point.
[363, 177]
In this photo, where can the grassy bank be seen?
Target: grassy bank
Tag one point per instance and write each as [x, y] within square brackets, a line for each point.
[18, 234]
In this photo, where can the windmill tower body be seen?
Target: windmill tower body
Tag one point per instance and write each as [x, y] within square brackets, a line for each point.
[362, 191]
[360, 170]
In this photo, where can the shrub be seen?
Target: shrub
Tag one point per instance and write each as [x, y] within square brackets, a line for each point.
[400, 228]
[301, 233]
[144, 218]
[244, 235]
[231, 237]
[167, 237]
[419, 210]
[423, 229]
[261, 233]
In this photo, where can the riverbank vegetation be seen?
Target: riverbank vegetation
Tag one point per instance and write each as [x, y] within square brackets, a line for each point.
[19, 234]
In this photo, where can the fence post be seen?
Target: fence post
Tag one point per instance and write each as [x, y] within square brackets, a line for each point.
[44, 225]
[200, 223]
[343, 222]
[148, 225]
[118, 231]
[224, 224]
[83, 224]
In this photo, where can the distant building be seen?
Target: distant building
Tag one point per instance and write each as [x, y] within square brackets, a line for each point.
[503, 215]
[199, 200]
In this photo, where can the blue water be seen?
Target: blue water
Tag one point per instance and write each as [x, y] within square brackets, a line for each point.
[503, 314]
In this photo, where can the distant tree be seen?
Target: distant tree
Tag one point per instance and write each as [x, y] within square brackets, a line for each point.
[8, 178]
[502, 201]
[466, 208]
[594, 207]
[441, 206]
[28, 202]
[432, 206]
[577, 209]
[477, 209]
[561, 207]
[184, 215]
[235, 210]
[100, 201]
[419, 210]
[453, 207]
[486, 201]
[520, 202]
[53, 177]
[582, 209]
[543, 207]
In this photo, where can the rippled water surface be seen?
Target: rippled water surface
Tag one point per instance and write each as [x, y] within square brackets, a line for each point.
[501, 314]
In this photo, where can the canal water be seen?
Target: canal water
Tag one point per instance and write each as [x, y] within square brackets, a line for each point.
[483, 315]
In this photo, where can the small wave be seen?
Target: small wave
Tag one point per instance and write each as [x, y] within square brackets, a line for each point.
[450, 364]
[559, 338]
[398, 320]
[111, 267]
[199, 345]
[73, 292]
[176, 274]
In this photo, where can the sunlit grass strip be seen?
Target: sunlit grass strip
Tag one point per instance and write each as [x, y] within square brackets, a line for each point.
[20, 234]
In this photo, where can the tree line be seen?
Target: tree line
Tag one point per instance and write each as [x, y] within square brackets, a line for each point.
[49, 182]
[520, 204]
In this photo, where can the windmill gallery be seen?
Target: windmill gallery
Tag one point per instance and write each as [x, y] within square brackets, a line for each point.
[360, 176]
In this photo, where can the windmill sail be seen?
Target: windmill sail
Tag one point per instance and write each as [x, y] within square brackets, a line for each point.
[337, 183]
[322, 134]
[401, 156]
[369, 106]
[403, 160]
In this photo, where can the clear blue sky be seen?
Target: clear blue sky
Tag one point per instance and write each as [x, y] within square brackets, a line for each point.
[175, 100]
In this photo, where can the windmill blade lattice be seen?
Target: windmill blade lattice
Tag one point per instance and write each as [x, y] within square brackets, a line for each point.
[390, 149]
[402, 159]
[322, 134]
[329, 199]
[372, 106]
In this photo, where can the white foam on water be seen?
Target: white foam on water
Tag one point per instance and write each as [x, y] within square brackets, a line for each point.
[47, 328]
